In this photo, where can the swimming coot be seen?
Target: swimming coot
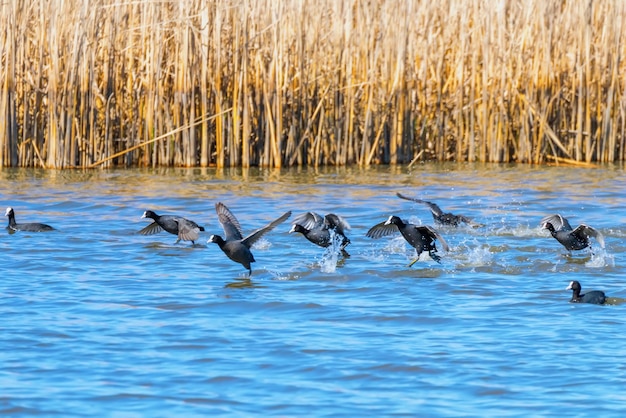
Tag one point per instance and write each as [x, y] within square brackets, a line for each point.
[439, 216]
[422, 238]
[322, 230]
[28, 227]
[571, 239]
[595, 296]
[233, 244]
[183, 228]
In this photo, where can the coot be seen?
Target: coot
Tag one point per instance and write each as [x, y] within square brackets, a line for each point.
[571, 239]
[595, 296]
[439, 216]
[233, 244]
[322, 230]
[183, 228]
[29, 227]
[422, 238]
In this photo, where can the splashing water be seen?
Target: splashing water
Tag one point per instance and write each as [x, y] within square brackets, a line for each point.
[262, 244]
[328, 263]
[600, 258]
[478, 256]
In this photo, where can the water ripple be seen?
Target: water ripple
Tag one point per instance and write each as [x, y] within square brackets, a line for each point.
[99, 320]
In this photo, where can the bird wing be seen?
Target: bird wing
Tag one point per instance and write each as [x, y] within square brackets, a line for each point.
[434, 208]
[192, 223]
[336, 222]
[433, 233]
[309, 220]
[187, 230]
[230, 224]
[558, 222]
[381, 230]
[584, 231]
[153, 228]
[256, 235]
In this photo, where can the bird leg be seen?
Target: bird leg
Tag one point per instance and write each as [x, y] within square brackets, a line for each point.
[591, 251]
[434, 256]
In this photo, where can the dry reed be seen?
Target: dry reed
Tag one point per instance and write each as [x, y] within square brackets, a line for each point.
[88, 83]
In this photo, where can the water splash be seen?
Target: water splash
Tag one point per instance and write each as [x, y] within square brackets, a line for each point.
[262, 244]
[554, 267]
[479, 256]
[328, 262]
[471, 253]
[600, 258]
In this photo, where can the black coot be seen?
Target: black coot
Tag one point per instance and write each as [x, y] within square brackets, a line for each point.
[439, 216]
[183, 228]
[322, 230]
[571, 239]
[422, 238]
[233, 244]
[595, 296]
[29, 227]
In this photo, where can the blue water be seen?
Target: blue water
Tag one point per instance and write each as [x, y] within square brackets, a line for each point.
[101, 321]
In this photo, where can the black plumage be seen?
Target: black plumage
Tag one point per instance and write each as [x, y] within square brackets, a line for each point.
[184, 229]
[234, 245]
[13, 226]
[322, 231]
[595, 296]
[439, 216]
[422, 238]
[571, 239]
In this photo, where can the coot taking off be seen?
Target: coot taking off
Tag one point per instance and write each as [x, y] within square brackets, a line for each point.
[422, 238]
[571, 239]
[439, 216]
[29, 227]
[595, 296]
[185, 229]
[322, 230]
[233, 244]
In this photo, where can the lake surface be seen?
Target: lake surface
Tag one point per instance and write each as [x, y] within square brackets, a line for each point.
[101, 321]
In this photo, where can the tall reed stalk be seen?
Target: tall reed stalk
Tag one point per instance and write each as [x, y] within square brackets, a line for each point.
[86, 83]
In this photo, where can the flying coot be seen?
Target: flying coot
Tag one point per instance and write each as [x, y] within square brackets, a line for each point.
[183, 228]
[28, 227]
[571, 239]
[234, 245]
[422, 238]
[322, 231]
[439, 216]
[595, 296]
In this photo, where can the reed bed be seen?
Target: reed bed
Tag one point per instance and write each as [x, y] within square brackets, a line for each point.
[89, 83]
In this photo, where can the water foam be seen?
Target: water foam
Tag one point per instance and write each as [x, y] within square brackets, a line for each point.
[328, 262]
[600, 258]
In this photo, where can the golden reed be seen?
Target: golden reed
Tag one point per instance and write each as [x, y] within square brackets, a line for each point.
[88, 83]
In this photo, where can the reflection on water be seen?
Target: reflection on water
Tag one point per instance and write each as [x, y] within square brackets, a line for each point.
[168, 329]
[243, 283]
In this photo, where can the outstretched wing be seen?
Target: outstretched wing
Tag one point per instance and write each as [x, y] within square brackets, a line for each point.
[309, 220]
[153, 228]
[194, 224]
[230, 224]
[434, 208]
[381, 230]
[187, 230]
[583, 231]
[557, 221]
[256, 235]
[336, 222]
